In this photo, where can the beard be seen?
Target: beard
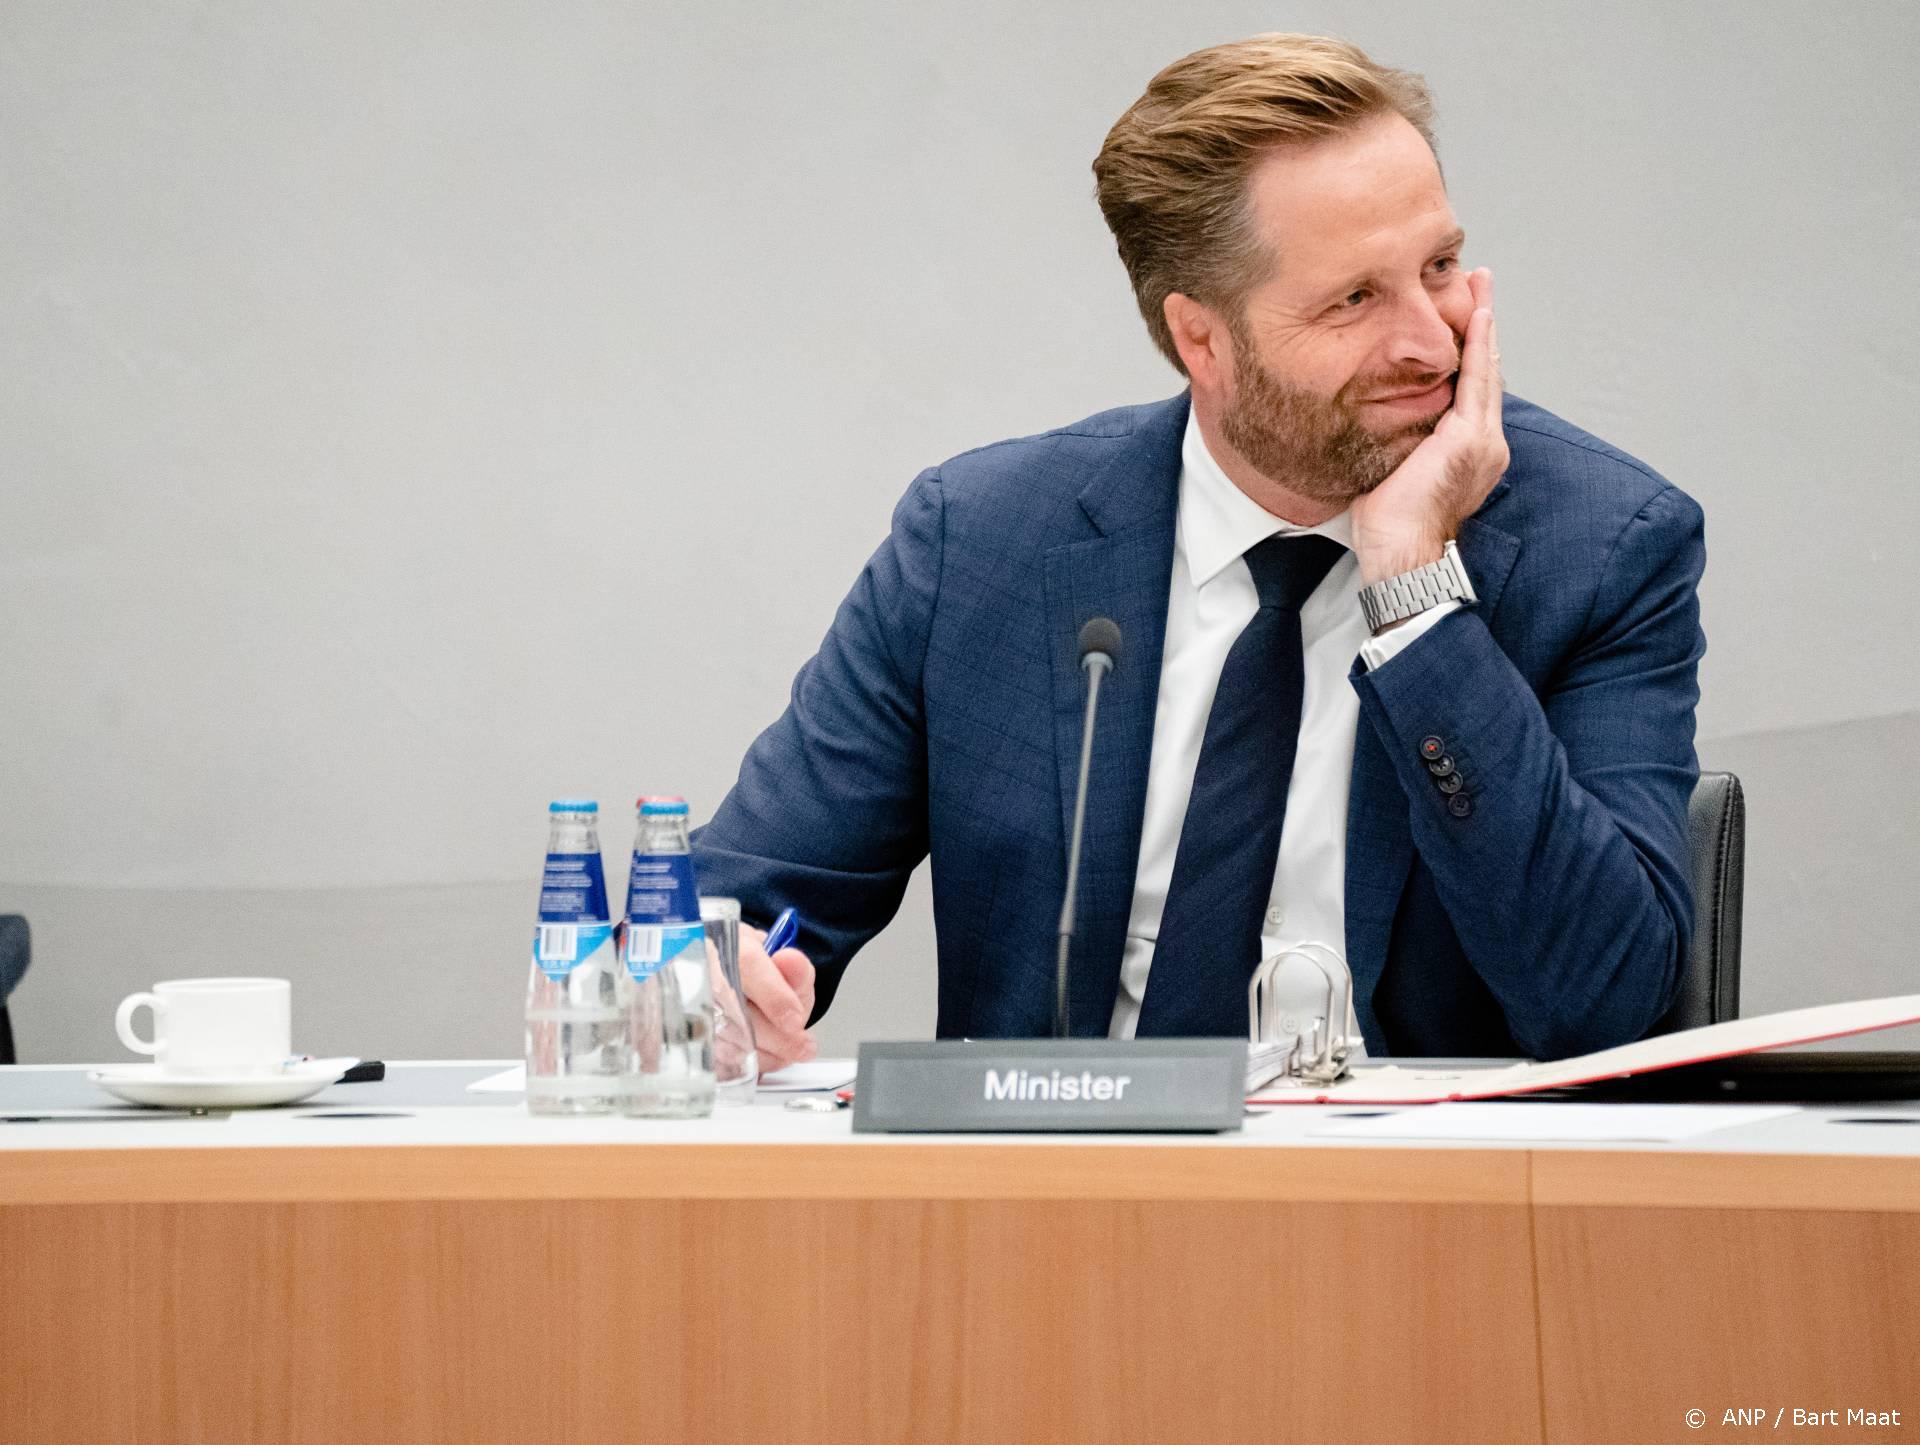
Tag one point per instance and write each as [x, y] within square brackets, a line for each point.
[1316, 446]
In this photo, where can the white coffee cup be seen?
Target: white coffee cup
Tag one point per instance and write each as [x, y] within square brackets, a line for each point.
[210, 1026]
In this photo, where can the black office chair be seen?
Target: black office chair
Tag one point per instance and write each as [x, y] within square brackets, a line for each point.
[15, 951]
[1717, 849]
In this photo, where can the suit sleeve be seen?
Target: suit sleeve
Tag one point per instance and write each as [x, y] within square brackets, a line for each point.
[1565, 873]
[829, 814]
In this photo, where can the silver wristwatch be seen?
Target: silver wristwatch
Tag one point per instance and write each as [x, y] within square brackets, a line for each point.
[1394, 599]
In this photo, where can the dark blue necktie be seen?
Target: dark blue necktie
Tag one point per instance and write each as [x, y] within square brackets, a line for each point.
[1223, 870]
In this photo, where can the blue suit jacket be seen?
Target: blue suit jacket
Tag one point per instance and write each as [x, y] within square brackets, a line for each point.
[943, 714]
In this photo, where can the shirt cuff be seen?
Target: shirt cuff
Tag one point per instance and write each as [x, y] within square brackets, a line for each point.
[1377, 652]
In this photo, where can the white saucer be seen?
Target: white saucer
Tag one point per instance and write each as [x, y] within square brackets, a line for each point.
[146, 1084]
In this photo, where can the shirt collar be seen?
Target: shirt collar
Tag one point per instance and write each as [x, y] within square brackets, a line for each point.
[1219, 522]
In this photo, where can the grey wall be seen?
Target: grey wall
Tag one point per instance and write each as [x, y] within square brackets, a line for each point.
[411, 412]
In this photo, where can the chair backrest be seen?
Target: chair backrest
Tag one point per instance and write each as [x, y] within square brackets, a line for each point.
[15, 950]
[1717, 849]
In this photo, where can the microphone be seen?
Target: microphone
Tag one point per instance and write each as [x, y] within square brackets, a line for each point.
[1099, 648]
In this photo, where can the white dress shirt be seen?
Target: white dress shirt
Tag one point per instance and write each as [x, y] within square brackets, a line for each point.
[1211, 599]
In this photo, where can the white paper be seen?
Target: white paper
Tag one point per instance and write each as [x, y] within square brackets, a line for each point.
[1549, 1123]
[509, 1081]
[814, 1076]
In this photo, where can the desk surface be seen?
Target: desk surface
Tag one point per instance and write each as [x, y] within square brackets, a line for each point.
[420, 1134]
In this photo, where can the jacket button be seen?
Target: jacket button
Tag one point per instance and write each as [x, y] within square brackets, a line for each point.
[1459, 805]
[1431, 748]
[1441, 767]
[1450, 784]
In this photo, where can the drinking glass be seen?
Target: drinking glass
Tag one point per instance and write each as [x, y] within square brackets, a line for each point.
[736, 1059]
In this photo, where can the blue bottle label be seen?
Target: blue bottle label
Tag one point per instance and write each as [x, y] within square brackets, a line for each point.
[574, 920]
[574, 889]
[663, 912]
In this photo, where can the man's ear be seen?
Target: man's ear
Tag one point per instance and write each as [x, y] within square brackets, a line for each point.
[1200, 336]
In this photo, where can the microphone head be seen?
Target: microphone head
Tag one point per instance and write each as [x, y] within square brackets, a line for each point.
[1101, 635]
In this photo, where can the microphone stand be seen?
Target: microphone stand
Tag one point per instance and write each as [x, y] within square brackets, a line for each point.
[1096, 664]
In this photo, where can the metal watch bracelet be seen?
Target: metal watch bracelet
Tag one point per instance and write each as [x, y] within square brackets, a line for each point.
[1408, 594]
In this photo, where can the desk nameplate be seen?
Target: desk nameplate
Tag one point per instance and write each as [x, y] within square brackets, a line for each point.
[1099, 1086]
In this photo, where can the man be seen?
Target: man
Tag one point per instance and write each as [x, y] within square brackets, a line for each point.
[1475, 786]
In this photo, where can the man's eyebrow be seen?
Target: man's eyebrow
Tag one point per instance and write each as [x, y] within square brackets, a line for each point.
[1453, 242]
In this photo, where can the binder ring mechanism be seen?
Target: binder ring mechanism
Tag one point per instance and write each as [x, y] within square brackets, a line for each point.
[1298, 1006]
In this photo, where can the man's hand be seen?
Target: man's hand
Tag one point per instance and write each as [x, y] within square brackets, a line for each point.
[779, 994]
[1405, 521]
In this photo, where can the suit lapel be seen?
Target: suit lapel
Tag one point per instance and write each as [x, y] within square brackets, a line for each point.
[1379, 838]
[1488, 554]
[1122, 572]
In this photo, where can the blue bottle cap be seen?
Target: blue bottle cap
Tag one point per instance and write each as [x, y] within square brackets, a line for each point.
[663, 807]
[573, 805]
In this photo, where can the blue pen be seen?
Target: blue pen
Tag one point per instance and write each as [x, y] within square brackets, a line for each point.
[785, 929]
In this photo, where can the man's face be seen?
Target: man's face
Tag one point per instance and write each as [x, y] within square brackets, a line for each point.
[1343, 358]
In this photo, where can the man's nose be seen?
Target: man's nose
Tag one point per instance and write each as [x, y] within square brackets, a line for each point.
[1422, 336]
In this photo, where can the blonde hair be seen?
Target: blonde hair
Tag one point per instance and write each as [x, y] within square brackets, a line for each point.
[1171, 175]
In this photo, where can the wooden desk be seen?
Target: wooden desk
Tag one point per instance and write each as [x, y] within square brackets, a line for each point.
[831, 1288]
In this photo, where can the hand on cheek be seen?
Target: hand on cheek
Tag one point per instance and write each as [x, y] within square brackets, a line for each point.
[1457, 306]
[1403, 523]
